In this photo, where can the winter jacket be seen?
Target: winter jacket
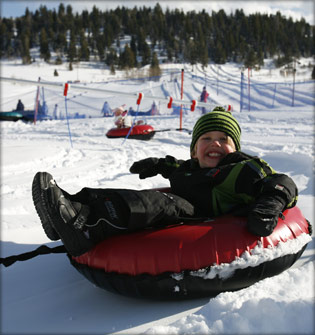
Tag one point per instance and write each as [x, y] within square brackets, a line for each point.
[233, 186]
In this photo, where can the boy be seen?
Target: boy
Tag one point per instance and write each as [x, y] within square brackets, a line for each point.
[218, 179]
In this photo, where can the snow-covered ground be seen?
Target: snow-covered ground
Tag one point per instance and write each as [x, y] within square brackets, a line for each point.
[47, 295]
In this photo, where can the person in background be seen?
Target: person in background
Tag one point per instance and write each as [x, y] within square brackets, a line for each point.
[44, 109]
[203, 98]
[154, 109]
[122, 120]
[218, 179]
[56, 112]
[20, 106]
[106, 110]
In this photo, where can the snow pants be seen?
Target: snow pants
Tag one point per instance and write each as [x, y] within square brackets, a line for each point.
[118, 211]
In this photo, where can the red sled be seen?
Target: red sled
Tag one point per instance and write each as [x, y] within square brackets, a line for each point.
[139, 132]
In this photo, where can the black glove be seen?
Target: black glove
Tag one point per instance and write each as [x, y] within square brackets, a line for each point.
[145, 167]
[152, 166]
[263, 217]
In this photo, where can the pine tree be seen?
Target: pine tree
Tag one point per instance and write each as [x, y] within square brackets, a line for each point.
[251, 59]
[158, 24]
[191, 52]
[203, 55]
[72, 50]
[61, 42]
[112, 69]
[127, 58]
[108, 35]
[44, 47]
[201, 46]
[155, 70]
[69, 18]
[100, 45]
[25, 52]
[3, 38]
[141, 40]
[84, 53]
[95, 21]
[6, 37]
[133, 46]
[146, 54]
[111, 58]
[260, 57]
[220, 55]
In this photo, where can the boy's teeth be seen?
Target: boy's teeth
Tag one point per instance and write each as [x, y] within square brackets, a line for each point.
[213, 154]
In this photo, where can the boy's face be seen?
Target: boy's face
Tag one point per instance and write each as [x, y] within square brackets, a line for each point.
[212, 147]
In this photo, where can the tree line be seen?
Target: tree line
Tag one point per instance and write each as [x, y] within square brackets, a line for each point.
[155, 36]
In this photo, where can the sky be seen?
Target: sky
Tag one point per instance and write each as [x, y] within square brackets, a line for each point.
[294, 9]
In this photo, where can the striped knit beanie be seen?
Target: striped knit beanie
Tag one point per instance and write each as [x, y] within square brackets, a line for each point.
[217, 120]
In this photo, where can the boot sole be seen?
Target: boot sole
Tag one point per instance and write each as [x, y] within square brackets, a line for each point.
[40, 183]
[74, 240]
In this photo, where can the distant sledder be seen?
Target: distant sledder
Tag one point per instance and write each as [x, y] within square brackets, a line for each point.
[203, 98]
[126, 128]
[27, 115]
[122, 119]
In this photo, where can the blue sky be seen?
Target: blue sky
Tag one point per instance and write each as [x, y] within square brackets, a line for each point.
[294, 9]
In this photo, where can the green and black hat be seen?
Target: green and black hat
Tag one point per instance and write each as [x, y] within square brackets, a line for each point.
[217, 120]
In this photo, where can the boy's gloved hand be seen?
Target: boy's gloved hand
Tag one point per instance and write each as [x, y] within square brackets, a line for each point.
[146, 167]
[263, 217]
[152, 166]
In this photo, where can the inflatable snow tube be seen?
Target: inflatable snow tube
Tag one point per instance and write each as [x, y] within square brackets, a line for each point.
[10, 116]
[138, 132]
[199, 259]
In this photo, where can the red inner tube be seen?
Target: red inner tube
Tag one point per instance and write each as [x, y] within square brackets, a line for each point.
[188, 246]
[142, 129]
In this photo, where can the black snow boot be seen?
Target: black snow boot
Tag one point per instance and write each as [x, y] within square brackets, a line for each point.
[60, 217]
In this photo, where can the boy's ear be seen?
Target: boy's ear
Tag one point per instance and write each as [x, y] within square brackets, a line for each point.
[193, 153]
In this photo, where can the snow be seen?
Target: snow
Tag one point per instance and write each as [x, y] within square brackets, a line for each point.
[47, 295]
[255, 257]
[271, 306]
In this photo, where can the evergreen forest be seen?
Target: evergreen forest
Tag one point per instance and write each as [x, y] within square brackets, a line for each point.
[155, 36]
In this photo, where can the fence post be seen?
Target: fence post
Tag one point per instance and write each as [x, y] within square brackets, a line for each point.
[181, 106]
[65, 93]
[218, 79]
[241, 97]
[294, 70]
[249, 89]
[36, 102]
[274, 95]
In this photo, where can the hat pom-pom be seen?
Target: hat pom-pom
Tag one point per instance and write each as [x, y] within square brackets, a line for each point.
[219, 109]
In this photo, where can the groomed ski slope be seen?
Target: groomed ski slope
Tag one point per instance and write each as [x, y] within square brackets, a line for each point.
[46, 295]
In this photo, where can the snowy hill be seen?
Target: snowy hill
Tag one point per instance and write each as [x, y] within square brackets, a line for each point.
[47, 295]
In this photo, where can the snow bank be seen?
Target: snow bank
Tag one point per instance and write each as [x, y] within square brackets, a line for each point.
[280, 305]
[254, 257]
